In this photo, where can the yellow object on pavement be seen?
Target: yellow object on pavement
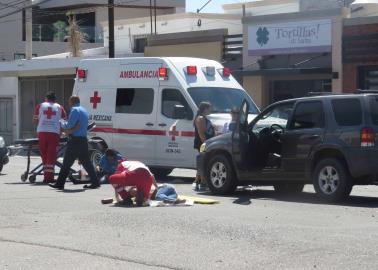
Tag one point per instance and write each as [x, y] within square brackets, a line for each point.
[198, 200]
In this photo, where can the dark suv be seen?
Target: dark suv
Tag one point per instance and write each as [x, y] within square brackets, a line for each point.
[329, 141]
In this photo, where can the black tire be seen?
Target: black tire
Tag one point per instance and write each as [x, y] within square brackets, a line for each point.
[289, 188]
[332, 181]
[161, 172]
[1, 166]
[24, 177]
[220, 175]
[32, 178]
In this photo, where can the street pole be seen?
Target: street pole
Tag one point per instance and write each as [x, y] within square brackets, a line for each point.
[151, 16]
[29, 31]
[155, 15]
[111, 28]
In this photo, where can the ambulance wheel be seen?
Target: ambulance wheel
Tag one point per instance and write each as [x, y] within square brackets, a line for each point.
[161, 172]
[95, 157]
[32, 179]
[24, 177]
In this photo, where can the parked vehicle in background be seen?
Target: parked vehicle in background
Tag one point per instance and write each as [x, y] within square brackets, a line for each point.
[328, 141]
[3, 154]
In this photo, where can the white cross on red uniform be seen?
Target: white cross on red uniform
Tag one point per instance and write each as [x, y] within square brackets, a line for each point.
[96, 99]
[174, 133]
[49, 112]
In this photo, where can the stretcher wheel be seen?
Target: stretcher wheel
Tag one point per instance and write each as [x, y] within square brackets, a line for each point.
[24, 177]
[32, 179]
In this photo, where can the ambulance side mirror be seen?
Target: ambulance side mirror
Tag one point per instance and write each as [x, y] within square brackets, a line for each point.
[179, 112]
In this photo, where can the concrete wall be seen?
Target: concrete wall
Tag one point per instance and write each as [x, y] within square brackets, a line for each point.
[253, 85]
[208, 50]
[127, 30]
[9, 89]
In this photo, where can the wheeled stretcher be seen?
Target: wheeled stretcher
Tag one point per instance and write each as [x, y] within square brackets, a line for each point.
[30, 146]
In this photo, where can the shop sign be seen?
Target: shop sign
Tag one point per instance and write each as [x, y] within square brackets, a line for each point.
[290, 38]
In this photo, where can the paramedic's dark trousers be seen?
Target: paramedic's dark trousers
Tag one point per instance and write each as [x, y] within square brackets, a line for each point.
[77, 148]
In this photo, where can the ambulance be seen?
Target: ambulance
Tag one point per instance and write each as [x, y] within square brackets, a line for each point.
[144, 107]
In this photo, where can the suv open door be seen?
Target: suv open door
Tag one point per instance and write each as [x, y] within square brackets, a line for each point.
[240, 138]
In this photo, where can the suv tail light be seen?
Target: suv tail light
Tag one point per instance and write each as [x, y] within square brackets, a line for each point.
[367, 137]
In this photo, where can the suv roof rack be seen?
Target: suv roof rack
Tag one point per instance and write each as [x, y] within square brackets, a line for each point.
[314, 94]
[360, 91]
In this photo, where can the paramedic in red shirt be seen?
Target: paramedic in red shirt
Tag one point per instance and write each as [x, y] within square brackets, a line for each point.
[47, 116]
[133, 174]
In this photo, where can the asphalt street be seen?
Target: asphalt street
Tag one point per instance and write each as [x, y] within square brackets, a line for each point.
[41, 228]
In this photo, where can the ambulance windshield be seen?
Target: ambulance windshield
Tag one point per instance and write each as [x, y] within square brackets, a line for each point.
[222, 99]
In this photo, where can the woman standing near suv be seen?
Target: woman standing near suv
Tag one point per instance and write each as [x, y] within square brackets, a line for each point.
[204, 130]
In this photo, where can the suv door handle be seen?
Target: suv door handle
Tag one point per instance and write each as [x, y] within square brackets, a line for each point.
[312, 137]
[149, 124]
[162, 125]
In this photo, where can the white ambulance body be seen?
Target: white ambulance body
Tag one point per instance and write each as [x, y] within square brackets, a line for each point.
[144, 107]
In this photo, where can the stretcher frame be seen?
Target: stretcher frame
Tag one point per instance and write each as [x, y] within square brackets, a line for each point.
[31, 147]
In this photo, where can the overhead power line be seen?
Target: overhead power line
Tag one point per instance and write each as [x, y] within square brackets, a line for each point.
[26, 7]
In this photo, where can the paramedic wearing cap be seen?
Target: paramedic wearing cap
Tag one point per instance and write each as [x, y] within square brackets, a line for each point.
[47, 116]
[133, 174]
[77, 146]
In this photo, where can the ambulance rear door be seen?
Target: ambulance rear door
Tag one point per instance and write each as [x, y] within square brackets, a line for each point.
[135, 129]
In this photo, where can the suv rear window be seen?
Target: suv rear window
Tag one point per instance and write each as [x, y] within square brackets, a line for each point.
[374, 109]
[308, 115]
[348, 111]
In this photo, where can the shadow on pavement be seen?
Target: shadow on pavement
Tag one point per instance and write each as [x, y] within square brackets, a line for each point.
[243, 196]
[71, 190]
[17, 183]
[175, 180]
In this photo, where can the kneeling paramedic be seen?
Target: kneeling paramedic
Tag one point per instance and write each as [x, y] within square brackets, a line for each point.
[77, 146]
[108, 165]
[133, 174]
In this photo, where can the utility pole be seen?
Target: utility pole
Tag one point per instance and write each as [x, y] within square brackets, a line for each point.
[155, 15]
[151, 16]
[29, 30]
[111, 27]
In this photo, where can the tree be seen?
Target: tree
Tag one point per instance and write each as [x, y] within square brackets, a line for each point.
[75, 36]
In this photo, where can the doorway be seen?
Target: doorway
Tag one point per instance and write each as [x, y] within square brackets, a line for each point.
[6, 120]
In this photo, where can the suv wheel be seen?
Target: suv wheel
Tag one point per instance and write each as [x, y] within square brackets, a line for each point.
[220, 175]
[1, 165]
[331, 180]
[289, 188]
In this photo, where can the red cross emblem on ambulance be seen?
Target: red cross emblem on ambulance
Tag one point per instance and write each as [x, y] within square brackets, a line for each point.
[49, 112]
[96, 99]
[173, 132]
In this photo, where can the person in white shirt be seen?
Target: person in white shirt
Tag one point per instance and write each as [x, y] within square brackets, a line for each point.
[47, 116]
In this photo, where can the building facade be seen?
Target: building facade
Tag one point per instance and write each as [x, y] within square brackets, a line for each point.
[50, 23]
[289, 55]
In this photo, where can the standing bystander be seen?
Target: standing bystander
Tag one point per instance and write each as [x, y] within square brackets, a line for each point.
[77, 146]
[47, 116]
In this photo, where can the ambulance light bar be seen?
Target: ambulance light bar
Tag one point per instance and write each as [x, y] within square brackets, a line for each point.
[225, 72]
[209, 71]
[82, 74]
[191, 70]
[163, 74]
